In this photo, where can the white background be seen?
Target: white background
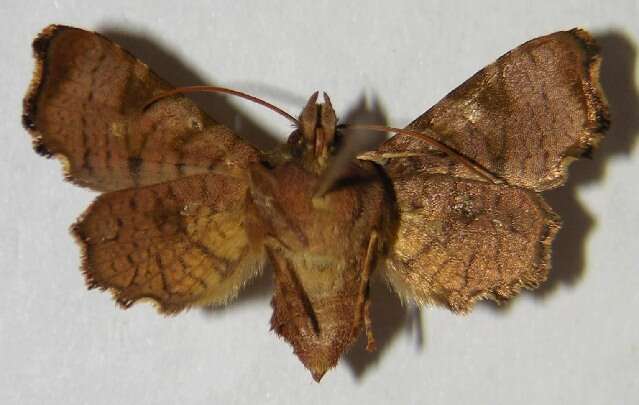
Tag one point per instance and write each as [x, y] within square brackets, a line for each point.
[575, 341]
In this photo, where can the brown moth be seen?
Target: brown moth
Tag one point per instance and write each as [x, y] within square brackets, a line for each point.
[189, 212]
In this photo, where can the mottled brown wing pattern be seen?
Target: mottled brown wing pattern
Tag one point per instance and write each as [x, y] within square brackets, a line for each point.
[190, 212]
[462, 240]
[173, 223]
[524, 118]
[86, 106]
[181, 243]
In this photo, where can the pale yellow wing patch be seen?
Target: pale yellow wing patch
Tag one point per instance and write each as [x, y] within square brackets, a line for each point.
[181, 243]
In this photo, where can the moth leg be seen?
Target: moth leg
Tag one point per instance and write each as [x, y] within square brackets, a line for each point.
[364, 296]
[290, 283]
[371, 344]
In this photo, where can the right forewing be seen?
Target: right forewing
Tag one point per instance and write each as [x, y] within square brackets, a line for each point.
[523, 118]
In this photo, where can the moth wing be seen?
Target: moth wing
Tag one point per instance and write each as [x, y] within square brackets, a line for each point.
[186, 242]
[86, 106]
[461, 240]
[524, 118]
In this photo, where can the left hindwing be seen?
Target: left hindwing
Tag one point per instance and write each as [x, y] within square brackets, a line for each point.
[186, 242]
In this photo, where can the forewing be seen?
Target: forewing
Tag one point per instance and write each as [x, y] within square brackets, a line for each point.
[181, 243]
[462, 240]
[86, 106]
[524, 118]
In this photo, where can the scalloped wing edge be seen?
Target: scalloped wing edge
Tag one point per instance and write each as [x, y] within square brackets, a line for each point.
[91, 283]
[552, 226]
[596, 105]
[40, 47]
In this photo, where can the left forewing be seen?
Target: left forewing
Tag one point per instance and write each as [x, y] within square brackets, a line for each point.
[86, 106]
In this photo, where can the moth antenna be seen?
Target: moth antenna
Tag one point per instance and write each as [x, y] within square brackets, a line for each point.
[473, 166]
[224, 90]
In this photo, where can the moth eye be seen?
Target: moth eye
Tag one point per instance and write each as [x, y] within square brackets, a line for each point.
[267, 164]
[337, 141]
[195, 124]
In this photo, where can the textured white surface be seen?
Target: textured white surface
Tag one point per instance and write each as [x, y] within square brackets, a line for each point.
[576, 341]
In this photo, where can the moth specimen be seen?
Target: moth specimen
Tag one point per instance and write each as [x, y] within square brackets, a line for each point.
[189, 212]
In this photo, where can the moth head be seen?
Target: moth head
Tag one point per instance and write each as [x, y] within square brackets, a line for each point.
[316, 135]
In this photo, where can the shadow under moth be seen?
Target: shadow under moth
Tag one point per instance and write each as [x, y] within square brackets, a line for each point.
[448, 210]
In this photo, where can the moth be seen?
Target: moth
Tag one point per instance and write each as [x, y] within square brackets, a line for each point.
[448, 210]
